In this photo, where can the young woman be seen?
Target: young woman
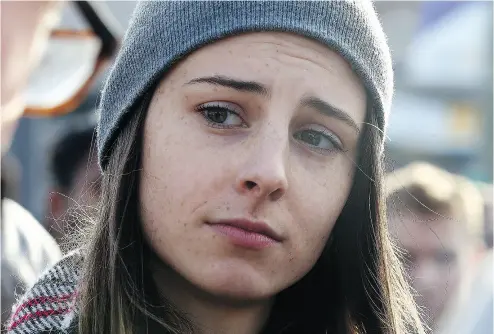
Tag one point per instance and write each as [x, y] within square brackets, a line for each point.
[241, 146]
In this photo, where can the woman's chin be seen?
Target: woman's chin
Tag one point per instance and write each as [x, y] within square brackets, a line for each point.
[236, 285]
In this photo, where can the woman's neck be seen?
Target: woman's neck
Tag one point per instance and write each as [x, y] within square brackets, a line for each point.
[210, 314]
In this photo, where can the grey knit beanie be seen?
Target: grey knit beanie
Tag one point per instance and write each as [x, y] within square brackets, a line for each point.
[161, 32]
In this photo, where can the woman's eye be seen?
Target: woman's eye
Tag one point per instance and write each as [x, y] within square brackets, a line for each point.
[318, 140]
[221, 115]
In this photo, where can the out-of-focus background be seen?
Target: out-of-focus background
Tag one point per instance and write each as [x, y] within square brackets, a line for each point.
[442, 114]
[442, 111]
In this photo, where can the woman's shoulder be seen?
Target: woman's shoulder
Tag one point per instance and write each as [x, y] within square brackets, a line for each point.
[49, 305]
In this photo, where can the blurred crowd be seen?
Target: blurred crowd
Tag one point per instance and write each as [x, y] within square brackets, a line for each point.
[441, 222]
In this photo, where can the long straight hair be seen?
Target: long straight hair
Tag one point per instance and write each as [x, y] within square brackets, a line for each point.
[356, 286]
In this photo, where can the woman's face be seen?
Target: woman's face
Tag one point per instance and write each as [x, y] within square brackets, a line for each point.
[248, 160]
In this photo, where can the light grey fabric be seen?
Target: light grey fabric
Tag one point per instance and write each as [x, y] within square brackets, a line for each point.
[162, 32]
[27, 251]
[473, 314]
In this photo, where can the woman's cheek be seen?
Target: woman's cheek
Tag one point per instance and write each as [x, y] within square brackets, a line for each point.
[319, 207]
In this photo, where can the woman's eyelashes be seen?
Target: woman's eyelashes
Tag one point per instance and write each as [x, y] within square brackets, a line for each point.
[227, 115]
[222, 115]
[319, 140]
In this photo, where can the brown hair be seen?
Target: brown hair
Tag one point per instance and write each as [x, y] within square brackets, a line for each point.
[425, 189]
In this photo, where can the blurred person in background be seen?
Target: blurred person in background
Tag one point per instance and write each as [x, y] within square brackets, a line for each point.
[27, 248]
[27, 28]
[76, 181]
[474, 314]
[11, 177]
[437, 219]
[23, 42]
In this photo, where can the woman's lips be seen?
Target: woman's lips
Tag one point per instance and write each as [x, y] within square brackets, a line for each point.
[245, 233]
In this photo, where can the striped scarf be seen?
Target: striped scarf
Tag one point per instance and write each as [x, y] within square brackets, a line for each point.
[49, 305]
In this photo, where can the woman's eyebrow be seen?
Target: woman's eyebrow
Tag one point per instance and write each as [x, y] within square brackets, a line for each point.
[256, 87]
[329, 110]
[240, 85]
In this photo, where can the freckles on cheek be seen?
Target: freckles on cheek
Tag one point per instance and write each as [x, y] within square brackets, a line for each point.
[313, 233]
[325, 198]
[155, 203]
[318, 234]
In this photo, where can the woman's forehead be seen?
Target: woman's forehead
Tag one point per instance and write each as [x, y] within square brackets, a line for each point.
[277, 61]
[263, 49]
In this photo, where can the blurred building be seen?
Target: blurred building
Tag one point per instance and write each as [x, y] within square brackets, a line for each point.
[442, 111]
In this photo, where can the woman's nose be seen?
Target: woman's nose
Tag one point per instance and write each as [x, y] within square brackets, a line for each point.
[264, 172]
